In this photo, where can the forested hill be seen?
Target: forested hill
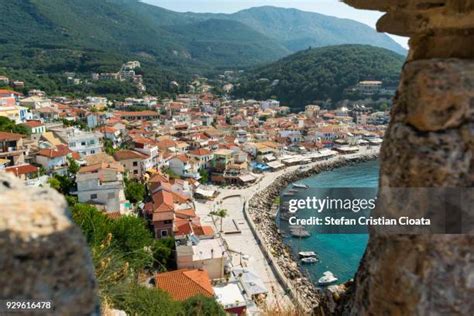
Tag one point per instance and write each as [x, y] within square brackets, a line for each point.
[320, 74]
[50, 37]
[298, 30]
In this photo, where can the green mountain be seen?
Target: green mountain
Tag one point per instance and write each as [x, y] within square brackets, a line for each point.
[298, 30]
[320, 74]
[42, 39]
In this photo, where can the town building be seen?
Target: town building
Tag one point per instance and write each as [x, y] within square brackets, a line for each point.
[102, 185]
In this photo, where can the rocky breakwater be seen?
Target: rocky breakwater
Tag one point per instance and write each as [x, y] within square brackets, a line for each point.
[260, 210]
[43, 255]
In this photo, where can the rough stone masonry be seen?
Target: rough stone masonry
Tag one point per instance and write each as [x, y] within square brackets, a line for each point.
[43, 255]
[429, 143]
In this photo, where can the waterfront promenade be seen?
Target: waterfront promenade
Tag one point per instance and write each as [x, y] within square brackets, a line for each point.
[243, 245]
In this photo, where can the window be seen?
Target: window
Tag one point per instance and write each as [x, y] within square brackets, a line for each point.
[164, 233]
[135, 163]
[93, 196]
[72, 144]
[92, 152]
[168, 222]
[135, 171]
[83, 143]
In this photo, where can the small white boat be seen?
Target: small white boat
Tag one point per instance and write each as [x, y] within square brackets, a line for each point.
[327, 278]
[309, 260]
[305, 254]
[300, 186]
[288, 194]
[299, 232]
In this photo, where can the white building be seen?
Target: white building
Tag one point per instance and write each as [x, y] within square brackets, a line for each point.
[208, 254]
[102, 185]
[85, 143]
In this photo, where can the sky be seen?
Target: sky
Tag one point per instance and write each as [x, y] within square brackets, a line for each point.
[327, 7]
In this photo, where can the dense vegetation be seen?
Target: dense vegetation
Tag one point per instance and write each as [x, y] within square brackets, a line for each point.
[7, 125]
[298, 30]
[320, 74]
[122, 250]
[42, 39]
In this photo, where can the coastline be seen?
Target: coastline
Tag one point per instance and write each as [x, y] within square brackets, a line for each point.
[258, 210]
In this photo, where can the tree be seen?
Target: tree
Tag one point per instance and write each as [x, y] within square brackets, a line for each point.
[94, 225]
[63, 184]
[54, 183]
[133, 239]
[202, 306]
[204, 175]
[134, 191]
[73, 166]
[170, 173]
[162, 250]
[220, 213]
[7, 125]
[139, 300]
[109, 147]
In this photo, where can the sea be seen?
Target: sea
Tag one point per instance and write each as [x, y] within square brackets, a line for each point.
[338, 253]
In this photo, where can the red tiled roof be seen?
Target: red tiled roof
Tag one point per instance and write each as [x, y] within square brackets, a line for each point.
[5, 91]
[185, 283]
[101, 166]
[137, 113]
[200, 152]
[182, 157]
[60, 151]
[33, 123]
[187, 213]
[163, 201]
[21, 170]
[158, 178]
[204, 231]
[129, 154]
[163, 216]
[10, 136]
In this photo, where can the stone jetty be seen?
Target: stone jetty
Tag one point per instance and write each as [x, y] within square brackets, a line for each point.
[261, 212]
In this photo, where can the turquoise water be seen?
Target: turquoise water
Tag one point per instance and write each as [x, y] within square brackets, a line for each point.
[338, 253]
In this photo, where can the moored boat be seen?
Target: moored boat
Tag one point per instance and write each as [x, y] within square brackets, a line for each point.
[300, 185]
[309, 260]
[305, 254]
[327, 278]
[299, 232]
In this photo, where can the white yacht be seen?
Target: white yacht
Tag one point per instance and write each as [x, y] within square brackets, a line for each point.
[300, 186]
[304, 254]
[309, 260]
[327, 278]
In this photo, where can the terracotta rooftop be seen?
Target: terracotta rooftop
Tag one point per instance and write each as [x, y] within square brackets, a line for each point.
[163, 201]
[60, 151]
[200, 152]
[129, 154]
[21, 170]
[9, 136]
[185, 283]
[33, 123]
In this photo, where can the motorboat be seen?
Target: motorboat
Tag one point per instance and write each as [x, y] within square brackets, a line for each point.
[310, 260]
[288, 193]
[299, 232]
[306, 254]
[284, 216]
[327, 278]
[300, 186]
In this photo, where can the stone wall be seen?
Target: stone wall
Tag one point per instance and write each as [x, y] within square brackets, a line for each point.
[43, 255]
[429, 143]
